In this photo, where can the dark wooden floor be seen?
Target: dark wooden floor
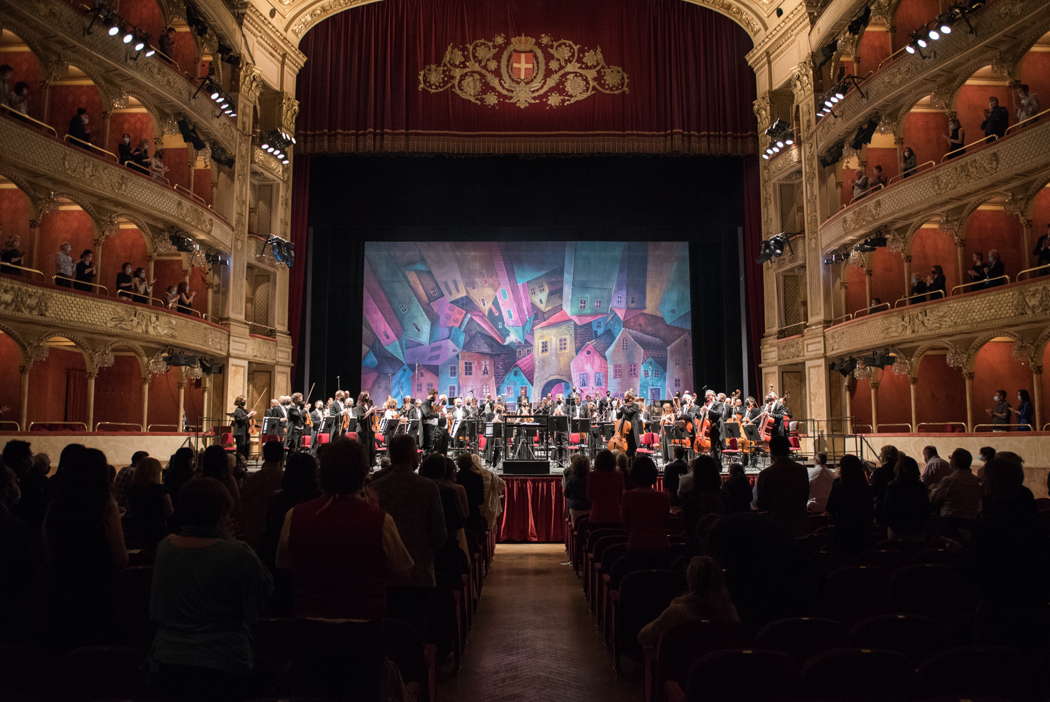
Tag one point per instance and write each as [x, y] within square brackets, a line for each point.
[533, 638]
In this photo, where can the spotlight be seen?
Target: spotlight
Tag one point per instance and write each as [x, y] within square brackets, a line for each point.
[921, 42]
[765, 156]
[114, 30]
[789, 141]
[780, 144]
[946, 28]
[150, 52]
[839, 94]
[910, 49]
[140, 43]
[215, 94]
[128, 36]
[934, 35]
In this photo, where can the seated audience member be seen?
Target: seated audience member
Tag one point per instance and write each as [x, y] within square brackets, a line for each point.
[157, 169]
[208, 592]
[707, 598]
[257, 490]
[122, 286]
[85, 546]
[995, 269]
[908, 162]
[142, 289]
[184, 301]
[342, 551]
[574, 483]
[1027, 103]
[32, 484]
[736, 491]
[605, 486]
[65, 268]
[820, 480]
[782, 489]
[1024, 412]
[996, 119]
[415, 505]
[879, 178]
[861, 184]
[85, 271]
[977, 271]
[11, 255]
[935, 469]
[919, 288]
[299, 484]
[78, 127]
[124, 149]
[673, 473]
[18, 100]
[124, 478]
[1000, 411]
[850, 504]
[149, 507]
[905, 506]
[936, 282]
[956, 138]
[958, 495]
[645, 509]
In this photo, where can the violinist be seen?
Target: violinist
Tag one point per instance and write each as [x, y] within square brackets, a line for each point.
[364, 412]
[317, 418]
[296, 421]
[241, 420]
[715, 415]
[335, 415]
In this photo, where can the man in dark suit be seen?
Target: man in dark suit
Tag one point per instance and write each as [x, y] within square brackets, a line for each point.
[335, 415]
[995, 269]
[296, 421]
[240, 425]
[782, 489]
[278, 419]
[715, 410]
[996, 119]
[430, 416]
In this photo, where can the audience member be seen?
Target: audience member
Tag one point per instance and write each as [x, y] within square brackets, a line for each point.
[1000, 411]
[956, 138]
[495, 487]
[124, 149]
[861, 184]
[299, 483]
[208, 592]
[986, 454]
[124, 479]
[450, 559]
[5, 82]
[905, 505]
[936, 282]
[935, 468]
[142, 288]
[605, 486]
[179, 471]
[1041, 252]
[820, 480]
[257, 490]
[166, 43]
[469, 476]
[415, 504]
[850, 505]
[11, 255]
[1025, 413]
[19, 98]
[64, 266]
[958, 495]
[707, 598]
[736, 491]
[17, 563]
[215, 463]
[574, 485]
[78, 127]
[995, 270]
[1027, 103]
[782, 489]
[140, 157]
[85, 271]
[908, 162]
[149, 507]
[918, 290]
[123, 286]
[184, 302]
[978, 269]
[884, 474]
[171, 297]
[880, 177]
[700, 493]
[996, 119]
[673, 473]
[32, 485]
[645, 509]
[85, 547]
[157, 169]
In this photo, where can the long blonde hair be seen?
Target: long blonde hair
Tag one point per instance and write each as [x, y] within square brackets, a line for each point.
[147, 472]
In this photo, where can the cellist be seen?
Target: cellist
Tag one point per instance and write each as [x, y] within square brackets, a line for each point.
[630, 413]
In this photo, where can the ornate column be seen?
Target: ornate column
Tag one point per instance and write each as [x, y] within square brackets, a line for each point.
[847, 405]
[205, 396]
[912, 382]
[867, 287]
[874, 385]
[91, 375]
[145, 402]
[906, 257]
[180, 424]
[96, 360]
[23, 395]
[968, 378]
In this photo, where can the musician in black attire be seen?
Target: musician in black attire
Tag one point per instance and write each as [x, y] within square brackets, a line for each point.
[750, 423]
[240, 425]
[296, 422]
[364, 426]
[629, 412]
[430, 420]
[715, 412]
[778, 411]
[278, 418]
[335, 415]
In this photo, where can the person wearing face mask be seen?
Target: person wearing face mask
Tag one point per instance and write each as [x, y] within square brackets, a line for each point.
[1000, 410]
[124, 149]
[78, 127]
[123, 285]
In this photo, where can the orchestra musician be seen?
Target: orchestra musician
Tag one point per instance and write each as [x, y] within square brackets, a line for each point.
[429, 411]
[278, 418]
[631, 413]
[667, 426]
[296, 421]
[364, 411]
[317, 419]
[241, 419]
[336, 411]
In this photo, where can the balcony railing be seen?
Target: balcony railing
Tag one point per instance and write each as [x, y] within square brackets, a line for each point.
[92, 171]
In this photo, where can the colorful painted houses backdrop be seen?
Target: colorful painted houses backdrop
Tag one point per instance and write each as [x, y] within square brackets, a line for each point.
[479, 318]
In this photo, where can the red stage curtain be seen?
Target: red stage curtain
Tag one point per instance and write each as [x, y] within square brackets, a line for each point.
[533, 510]
[300, 226]
[690, 89]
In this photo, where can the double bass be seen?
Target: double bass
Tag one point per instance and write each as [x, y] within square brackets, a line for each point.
[618, 441]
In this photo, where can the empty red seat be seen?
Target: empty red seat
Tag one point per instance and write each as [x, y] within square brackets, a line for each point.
[802, 637]
[744, 674]
[976, 671]
[913, 635]
[857, 674]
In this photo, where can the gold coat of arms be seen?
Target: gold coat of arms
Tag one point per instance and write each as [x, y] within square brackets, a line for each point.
[523, 71]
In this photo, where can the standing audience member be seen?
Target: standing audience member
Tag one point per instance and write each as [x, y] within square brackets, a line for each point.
[978, 269]
[936, 282]
[820, 480]
[124, 149]
[1000, 411]
[123, 286]
[19, 98]
[1025, 413]
[124, 479]
[673, 473]
[645, 510]
[883, 475]
[905, 505]
[736, 491]
[850, 505]
[708, 598]
[179, 471]
[32, 485]
[918, 290]
[1027, 103]
[65, 268]
[880, 177]
[157, 169]
[605, 487]
[5, 82]
[208, 592]
[782, 489]
[996, 119]
[299, 484]
[85, 547]
[956, 138]
[184, 301]
[469, 476]
[79, 129]
[936, 468]
[215, 463]
[908, 162]
[986, 454]
[17, 564]
[958, 496]
[149, 507]
[140, 157]
[1041, 252]
[141, 286]
[700, 492]
[85, 271]
[574, 483]
[861, 184]
[451, 561]
[257, 490]
[995, 270]
[166, 43]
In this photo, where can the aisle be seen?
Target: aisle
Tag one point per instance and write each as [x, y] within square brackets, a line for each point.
[533, 638]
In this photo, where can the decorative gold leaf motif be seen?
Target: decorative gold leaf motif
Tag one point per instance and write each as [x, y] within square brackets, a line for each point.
[524, 71]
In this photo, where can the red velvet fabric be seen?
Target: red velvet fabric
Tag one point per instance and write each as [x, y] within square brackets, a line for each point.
[689, 86]
[533, 509]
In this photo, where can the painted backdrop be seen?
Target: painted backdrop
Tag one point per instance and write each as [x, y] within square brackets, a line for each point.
[479, 318]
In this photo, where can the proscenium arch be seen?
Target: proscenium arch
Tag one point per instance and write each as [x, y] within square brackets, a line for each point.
[746, 13]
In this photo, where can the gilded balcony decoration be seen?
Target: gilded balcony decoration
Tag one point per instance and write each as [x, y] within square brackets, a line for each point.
[39, 157]
[60, 28]
[73, 312]
[1001, 27]
[1015, 306]
[1014, 162]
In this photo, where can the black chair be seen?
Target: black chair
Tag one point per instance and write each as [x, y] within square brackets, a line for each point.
[854, 593]
[681, 647]
[936, 591]
[101, 673]
[750, 675]
[642, 596]
[913, 635]
[802, 637]
[976, 671]
[857, 675]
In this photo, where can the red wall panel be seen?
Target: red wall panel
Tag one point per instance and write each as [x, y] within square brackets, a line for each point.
[186, 53]
[856, 295]
[940, 395]
[995, 229]
[144, 14]
[14, 217]
[63, 103]
[49, 397]
[894, 400]
[911, 15]
[887, 279]
[881, 156]
[202, 184]
[931, 247]
[164, 398]
[118, 391]
[177, 161]
[873, 47]
[10, 389]
[73, 226]
[860, 403]
[925, 133]
[1039, 214]
[996, 368]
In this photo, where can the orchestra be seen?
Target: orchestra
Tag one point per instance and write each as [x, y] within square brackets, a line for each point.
[552, 427]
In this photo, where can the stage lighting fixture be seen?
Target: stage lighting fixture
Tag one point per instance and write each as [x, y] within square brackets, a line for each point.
[910, 49]
[845, 366]
[765, 156]
[150, 51]
[183, 242]
[282, 251]
[114, 29]
[946, 28]
[128, 36]
[921, 43]
[218, 258]
[934, 35]
[180, 358]
[215, 94]
[140, 42]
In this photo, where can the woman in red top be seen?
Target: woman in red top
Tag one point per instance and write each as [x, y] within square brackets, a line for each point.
[605, 490]
[645, 510]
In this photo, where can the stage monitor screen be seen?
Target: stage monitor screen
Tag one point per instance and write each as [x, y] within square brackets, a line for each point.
[473, 319]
